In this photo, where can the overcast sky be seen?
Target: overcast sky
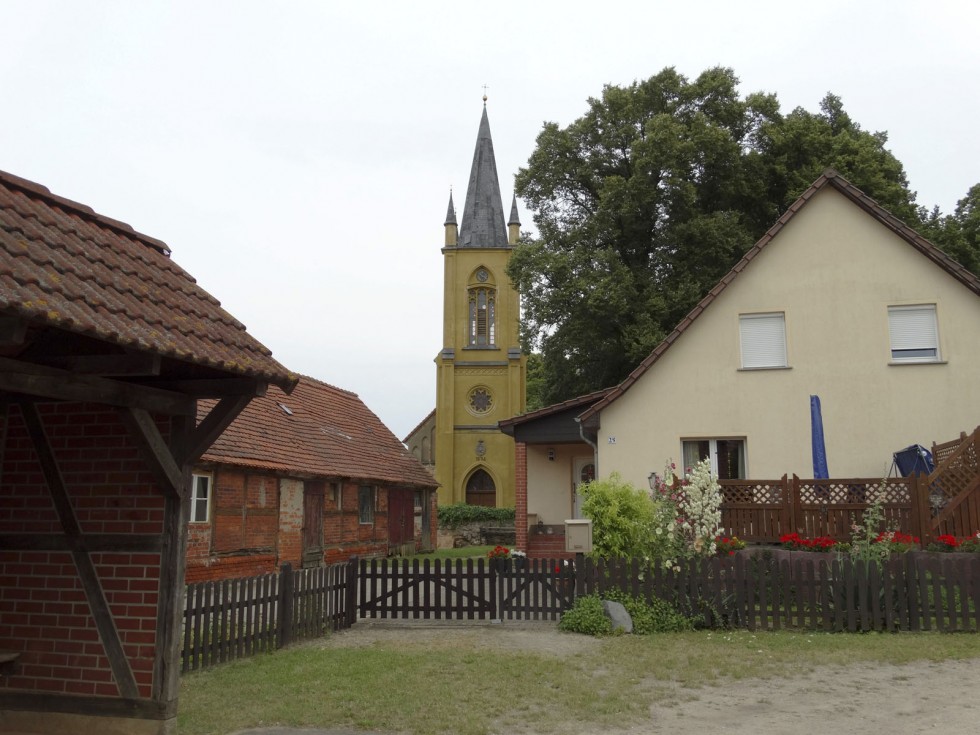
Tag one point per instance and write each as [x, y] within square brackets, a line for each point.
[297, 157]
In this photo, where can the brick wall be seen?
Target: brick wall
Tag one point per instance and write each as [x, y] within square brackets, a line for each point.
[44, 613]
[256, 525]
[520, 494]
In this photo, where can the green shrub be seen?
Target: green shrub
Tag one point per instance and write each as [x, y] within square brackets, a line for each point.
[458, 514]
[626, 522]
[586, 616]
[655, 616]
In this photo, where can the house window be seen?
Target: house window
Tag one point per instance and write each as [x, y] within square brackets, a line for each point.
[914, 333]
[482, 316]
[200, 498]
[365, 504]
[727, 456]
[763, 340]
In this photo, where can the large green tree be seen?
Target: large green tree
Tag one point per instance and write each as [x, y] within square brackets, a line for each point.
[649, 198]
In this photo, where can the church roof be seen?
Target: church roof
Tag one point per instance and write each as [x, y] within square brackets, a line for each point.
[483, 213]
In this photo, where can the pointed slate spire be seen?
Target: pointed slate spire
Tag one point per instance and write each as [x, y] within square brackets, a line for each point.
[514, 218]
[483, 213]
[451, 213]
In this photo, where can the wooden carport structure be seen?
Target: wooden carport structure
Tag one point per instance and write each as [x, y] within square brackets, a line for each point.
[106, 346]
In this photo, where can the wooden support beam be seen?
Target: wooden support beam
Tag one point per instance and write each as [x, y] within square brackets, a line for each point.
[88, 542]
[47, 382]
[134, 365]
[121, 670]
[155, 450]
[216, 387]
[218, 419]
[173, 559]
[13, 331]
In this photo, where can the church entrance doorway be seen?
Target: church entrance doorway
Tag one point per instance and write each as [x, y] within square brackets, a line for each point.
[481, 490]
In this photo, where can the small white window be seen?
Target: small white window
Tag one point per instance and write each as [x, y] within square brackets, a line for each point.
[914, 333]
[200, 498]
[763, 340]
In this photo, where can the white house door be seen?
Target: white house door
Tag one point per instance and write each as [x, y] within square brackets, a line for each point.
[583, 471]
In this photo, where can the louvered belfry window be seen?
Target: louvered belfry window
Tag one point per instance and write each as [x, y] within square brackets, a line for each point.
[482, 317]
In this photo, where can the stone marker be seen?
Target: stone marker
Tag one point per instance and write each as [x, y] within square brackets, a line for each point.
[621, 620]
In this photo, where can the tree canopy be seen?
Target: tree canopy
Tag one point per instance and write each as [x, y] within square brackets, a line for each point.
[648, 199]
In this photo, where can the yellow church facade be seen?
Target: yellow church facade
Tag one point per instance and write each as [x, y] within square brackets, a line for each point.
[480, 370]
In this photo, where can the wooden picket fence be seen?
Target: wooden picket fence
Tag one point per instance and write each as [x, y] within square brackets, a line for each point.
[234, 618]
[481, 589]
[916, 591]
[757, 589]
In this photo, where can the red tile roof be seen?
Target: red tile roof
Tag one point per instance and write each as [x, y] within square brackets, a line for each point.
[66, 267]
[829, 178]
[320, 431]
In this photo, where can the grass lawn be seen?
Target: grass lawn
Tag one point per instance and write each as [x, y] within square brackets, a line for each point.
[425, 688]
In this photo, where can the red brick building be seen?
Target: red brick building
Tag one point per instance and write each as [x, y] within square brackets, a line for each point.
[106, 346]
[310, 478]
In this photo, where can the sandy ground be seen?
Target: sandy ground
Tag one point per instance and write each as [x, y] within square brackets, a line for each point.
[861, 698]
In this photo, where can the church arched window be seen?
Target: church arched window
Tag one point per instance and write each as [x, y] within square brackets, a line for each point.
[482, 310]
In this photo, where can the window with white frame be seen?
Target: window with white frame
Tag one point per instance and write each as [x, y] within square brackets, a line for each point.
[365, 504]
[200, 498]
[914, 333]
[763, 340]
[727, 456]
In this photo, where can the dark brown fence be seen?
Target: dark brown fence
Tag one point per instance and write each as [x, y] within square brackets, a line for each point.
[760, 511]
[234, 618]
[914, 591]
[526, 589]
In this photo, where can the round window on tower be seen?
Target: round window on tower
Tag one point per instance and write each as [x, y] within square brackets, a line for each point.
[480, 400]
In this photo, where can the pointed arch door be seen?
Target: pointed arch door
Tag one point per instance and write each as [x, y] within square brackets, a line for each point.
[481, 490]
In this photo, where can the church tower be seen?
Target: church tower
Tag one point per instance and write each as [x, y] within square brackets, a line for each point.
[481, 372]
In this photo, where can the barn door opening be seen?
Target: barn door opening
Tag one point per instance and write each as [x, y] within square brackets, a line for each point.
[312, 524]
[401, 521]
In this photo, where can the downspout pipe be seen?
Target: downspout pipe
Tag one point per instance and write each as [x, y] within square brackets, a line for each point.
[595, 447]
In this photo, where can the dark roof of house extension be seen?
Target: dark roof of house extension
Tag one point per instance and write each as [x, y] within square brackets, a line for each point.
[317, 431]
[829, 179]
[483, 210]
[67, 268]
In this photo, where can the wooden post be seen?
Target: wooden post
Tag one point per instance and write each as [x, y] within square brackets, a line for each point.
[579, 575]
[350, 601]
[921, 517]
[796, 511]
[285, 605]
[786, 521]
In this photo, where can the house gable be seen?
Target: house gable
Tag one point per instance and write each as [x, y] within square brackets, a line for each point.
[832, 271]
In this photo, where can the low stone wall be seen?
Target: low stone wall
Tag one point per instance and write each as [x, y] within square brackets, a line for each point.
[476, 534]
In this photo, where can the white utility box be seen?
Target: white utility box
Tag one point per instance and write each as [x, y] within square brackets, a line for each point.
[578, 535]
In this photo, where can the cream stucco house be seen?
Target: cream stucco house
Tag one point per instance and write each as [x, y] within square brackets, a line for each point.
[839, 299]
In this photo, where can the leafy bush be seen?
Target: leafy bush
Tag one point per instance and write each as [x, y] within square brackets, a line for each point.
[458, 514]
[586, 616]
[626, 522]
[653, 616]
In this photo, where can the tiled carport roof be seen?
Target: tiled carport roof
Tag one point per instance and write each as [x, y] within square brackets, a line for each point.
[66, 267]
[317, 431]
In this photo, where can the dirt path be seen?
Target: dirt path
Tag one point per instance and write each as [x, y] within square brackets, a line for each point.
[897, 700]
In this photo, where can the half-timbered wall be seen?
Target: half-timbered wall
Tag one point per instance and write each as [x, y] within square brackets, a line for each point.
[256, 525]
[83, 619]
